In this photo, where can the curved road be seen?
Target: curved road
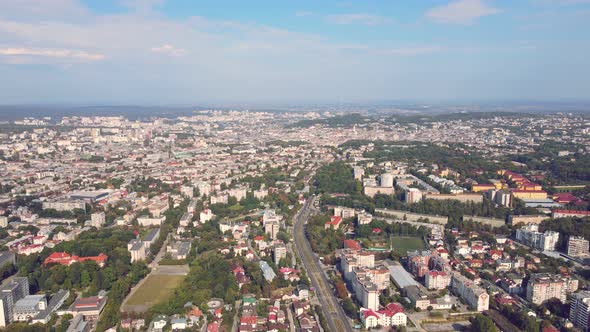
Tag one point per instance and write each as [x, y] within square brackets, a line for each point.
[333, 312]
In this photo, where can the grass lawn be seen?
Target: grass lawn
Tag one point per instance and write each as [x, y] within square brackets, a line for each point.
[405, 244]
[155, 289]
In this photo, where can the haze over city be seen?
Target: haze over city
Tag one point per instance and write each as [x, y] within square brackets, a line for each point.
[190, 52]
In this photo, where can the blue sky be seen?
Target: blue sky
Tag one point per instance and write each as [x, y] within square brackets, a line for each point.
[191, 52]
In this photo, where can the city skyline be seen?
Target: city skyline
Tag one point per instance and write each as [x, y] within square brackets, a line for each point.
[182, 52]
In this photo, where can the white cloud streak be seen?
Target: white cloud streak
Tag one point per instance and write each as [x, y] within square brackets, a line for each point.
[169, 50]
[51, 53]
[461, 12]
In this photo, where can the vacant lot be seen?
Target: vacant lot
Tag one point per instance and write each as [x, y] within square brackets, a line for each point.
[404, 244]
[155, 289]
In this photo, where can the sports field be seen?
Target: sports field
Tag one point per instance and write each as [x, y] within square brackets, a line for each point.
[404, 244]
[155, 289]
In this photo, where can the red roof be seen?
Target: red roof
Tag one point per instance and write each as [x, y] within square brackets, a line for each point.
[87, 302]
[335, 220]
[435, 273]
[213, 327]
[67, 259]
[564, 198]
[352, 244]
[367, 313]
[392, 309]
[248, 320]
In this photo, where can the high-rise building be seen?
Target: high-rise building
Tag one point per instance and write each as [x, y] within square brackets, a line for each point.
[272, 229]
[98, 219]
[387, 180]
[3, 221]
[580, 310]
[577, 246]
[437, 280]
[545, 286]
[413, 195]
[280, 252]
[358, 173]
[503, 197]
[531, 236]
[10, 293]
[475, 296]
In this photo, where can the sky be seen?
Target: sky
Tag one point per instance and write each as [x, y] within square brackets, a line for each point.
[159, 52]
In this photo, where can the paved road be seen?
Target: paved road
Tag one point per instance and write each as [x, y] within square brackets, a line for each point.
[337, 320]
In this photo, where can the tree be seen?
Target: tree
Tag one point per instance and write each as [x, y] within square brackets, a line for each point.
[482, 323]
[349, 307]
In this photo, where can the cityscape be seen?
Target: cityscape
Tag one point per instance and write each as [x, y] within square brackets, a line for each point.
[294, 166]
[240, 220]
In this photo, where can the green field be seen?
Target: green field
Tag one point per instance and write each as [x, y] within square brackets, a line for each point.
[404, 244]
[155, 289]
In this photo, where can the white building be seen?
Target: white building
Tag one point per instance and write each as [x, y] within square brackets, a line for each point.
[580, 310]
[3, 221]
[437, 280]
[577, 246]
[475, 296]
[206, 215]
[413, 195]
[392, 315]
[187, 191]
[98, 219]
[280, 252]
[531, 236]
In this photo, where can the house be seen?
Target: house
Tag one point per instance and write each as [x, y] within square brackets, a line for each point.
[308, 323]
[248, 323]
[213, 326]
[334, 223]
[302, 292]
[178, 323]
[158, 323]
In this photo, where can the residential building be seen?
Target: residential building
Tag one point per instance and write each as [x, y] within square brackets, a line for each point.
[530, 235]
[10, 293]
[97, 219]
[413, 195]
[437, 280]
[577, 246]
[580, 310]
[272, 229]
[179, 249]
[544, 286]
[280, 252]
[475, 296]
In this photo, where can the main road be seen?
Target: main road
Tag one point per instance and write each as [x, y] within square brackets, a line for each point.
[333, 312]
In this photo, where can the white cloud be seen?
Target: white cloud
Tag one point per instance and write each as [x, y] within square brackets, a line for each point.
[358, 18]
[461, 12]
[169, 50]
[50, 53]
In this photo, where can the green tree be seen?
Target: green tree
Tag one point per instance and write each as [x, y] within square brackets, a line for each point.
[481, 323]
